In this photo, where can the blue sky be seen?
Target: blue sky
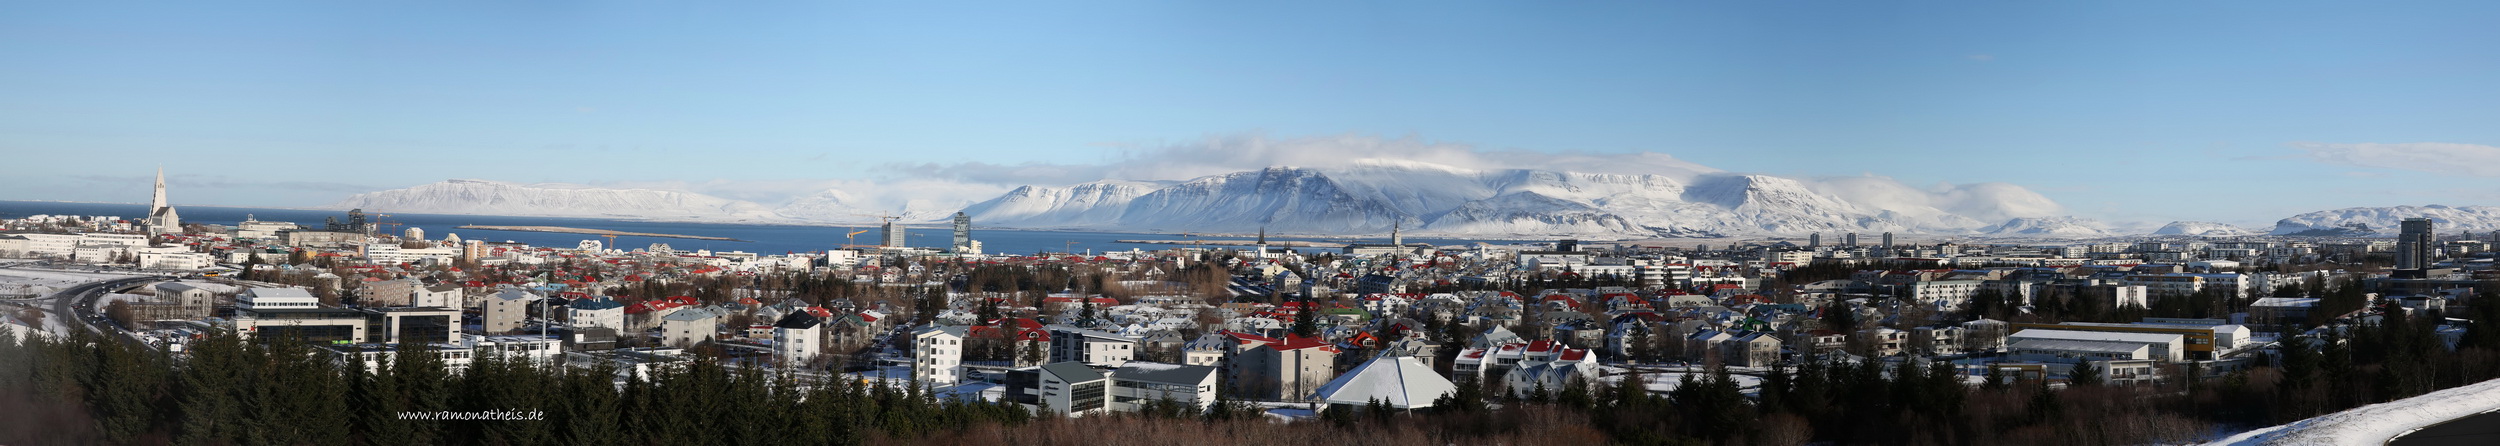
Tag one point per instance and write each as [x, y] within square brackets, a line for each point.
[2233, 111]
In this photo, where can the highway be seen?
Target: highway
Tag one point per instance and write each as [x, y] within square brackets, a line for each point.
[76, 305]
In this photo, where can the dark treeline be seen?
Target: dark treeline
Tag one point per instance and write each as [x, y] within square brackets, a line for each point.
[89, 390]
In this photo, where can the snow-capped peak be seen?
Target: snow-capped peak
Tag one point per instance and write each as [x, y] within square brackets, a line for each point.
[2203, 229]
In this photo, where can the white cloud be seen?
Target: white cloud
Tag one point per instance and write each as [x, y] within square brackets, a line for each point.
[1225, 154]
[2434, 157]
[842, 199]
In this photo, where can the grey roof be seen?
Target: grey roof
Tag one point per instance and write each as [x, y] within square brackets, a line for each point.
[443, 288]
[1072, 371]
[690, 315]
[515, 294]
[1090, 333]
[1163, 373]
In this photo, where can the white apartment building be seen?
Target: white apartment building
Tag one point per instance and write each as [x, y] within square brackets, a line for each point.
[938, 355]
[1090, 346]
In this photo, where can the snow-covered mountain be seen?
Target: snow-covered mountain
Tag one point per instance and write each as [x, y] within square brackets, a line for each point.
[1374, 196]
[2047, 227]
[1358, 198]
[2203, 229]
[484, 197]
[2384, 220]
[1082, 205]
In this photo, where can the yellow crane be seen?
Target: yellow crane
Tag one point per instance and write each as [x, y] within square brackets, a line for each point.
[883, 218]
[851, 240]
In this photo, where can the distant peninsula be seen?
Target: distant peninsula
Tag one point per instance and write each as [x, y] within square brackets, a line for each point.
[603, 232]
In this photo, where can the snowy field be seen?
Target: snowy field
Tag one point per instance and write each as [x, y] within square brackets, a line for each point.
[45, 282]
[20, 329]
[2374, 424]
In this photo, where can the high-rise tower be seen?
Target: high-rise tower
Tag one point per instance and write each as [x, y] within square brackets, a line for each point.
[963, 233]
[893, 235]
[2413, 249]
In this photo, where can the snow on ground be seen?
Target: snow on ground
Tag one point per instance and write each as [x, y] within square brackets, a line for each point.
[2374, 424]
[897, 376]
[19, 327]
[18, 330]
[41, 282]
[1668, 382]
[1663, 382]
[1283, 411]
[975, 391]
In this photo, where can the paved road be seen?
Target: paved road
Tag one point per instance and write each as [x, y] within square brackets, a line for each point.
[76, 305]
[2478, 430]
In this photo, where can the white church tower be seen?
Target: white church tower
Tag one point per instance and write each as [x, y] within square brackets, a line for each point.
[161, 217]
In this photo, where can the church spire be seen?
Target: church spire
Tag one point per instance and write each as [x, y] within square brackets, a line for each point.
[158, 204]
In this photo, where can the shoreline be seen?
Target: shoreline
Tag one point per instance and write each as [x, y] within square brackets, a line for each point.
[600, 232]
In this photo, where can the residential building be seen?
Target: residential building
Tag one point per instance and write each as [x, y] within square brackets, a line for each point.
[798, 337]
[1289, 368]
[938, 355]
[388, 293]
[689, 327]
[507, 309]
[1090, 346]
[596, 312]
[1753, 349]
[439, 295]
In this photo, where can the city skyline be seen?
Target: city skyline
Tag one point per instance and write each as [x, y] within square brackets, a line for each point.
[2122, 113]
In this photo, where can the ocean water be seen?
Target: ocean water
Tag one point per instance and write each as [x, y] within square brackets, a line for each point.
[758, 238]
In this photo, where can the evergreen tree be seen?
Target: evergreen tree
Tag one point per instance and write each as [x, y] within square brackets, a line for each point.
[2083, 375]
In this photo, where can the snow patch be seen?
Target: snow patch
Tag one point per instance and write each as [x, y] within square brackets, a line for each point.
[2374, 424]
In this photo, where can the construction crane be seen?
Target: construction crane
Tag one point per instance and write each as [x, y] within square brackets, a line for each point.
[382, 220]
[611, 240]
[884, 220]
[851, 240]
